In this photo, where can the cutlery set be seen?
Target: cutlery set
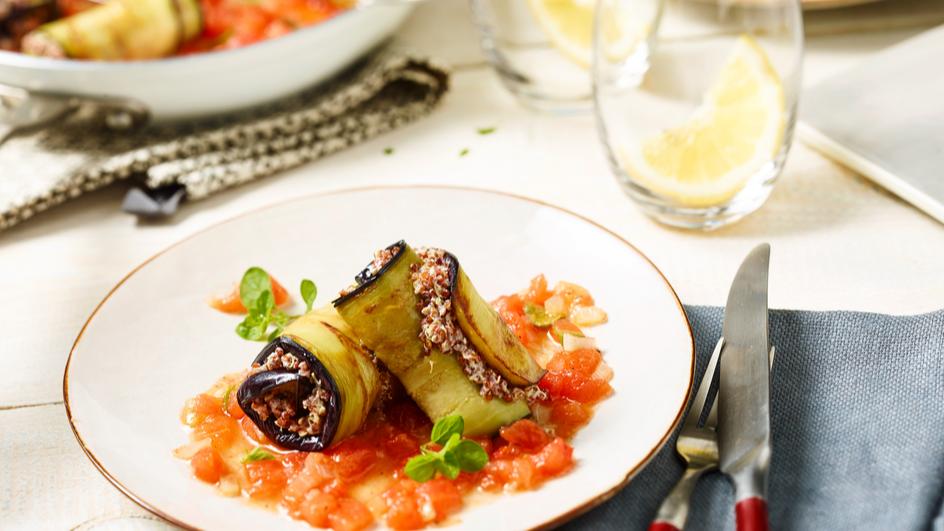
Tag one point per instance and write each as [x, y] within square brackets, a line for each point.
[734, 436]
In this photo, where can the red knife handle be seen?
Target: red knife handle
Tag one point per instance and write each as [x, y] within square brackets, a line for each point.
[751, 514]
[662, 526]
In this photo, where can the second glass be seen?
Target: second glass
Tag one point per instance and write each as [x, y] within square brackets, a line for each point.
[541, 50]
[696, 102]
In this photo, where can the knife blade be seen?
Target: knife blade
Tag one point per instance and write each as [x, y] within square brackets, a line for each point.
[744, 392]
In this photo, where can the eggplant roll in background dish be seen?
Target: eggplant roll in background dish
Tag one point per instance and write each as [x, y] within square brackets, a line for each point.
[419, 313]
[312, 386]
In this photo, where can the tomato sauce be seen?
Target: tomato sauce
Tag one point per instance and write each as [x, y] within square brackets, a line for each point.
[360, 481]
[231, 24]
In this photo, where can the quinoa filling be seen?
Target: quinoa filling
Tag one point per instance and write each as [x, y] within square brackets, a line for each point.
[440, 330]
[308, 421]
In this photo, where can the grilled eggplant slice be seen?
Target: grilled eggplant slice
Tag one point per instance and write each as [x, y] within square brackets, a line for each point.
[119, 30]
[485, 329]
[383, 312]
[313, 408]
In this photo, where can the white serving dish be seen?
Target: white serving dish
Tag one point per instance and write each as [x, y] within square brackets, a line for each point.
[215, 82]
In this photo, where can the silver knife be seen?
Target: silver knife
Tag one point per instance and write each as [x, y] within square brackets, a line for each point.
[744, 392]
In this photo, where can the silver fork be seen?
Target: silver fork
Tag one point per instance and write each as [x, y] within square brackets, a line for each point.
[698, 445]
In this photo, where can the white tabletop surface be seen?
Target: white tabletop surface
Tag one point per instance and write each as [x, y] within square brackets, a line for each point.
[838, 241]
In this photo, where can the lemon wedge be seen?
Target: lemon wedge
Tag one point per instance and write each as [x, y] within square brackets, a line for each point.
[736, 130]
[569, 25]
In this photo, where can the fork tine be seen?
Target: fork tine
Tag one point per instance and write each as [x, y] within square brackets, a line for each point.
[701, 396]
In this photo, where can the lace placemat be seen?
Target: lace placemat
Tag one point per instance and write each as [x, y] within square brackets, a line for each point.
[195, 160]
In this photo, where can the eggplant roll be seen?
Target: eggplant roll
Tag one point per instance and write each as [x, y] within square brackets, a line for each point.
[119, 30]
[312, 386]
[421, 316]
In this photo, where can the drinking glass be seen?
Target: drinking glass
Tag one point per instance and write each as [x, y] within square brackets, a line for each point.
[543, 59]
[695, 102]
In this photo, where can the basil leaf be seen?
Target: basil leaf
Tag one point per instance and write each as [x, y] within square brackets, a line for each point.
[264, 304]
[253, 327]
[257, 454]
[485, 130]
[422, 467]
[539, 316]
[446, 427]
[451, 443]
[309, 292]
[255, 282]
[470, 456]
[448, 465]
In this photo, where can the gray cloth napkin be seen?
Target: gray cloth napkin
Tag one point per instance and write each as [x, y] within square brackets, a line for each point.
[857, 420]
[194, 160]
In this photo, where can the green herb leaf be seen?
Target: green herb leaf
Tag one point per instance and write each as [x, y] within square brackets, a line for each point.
[254, 283]
[538, 316]
[309, 292]
[470, 455]
[388, 151]
[422, 467]
[485, 130]
[464, 152]
[253, 327]
[446, 427]
[455, 455]
[448, 466]
[257, 454]
[227, 394]
[264, 304]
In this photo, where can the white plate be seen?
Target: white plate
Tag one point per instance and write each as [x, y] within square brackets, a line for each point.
[153, 342]
[215, 82]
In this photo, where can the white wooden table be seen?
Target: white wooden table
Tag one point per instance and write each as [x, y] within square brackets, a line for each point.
[838, 242]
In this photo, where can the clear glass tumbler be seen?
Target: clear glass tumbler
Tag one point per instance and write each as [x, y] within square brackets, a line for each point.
[541, 50]
[695, 101]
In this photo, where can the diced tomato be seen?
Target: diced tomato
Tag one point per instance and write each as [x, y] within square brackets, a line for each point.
[537, 292]
[232, 406]
[580, 362]
[403, 511]
[568, 416]
[230, 302]
[353, 458]
[293, 462]
[589, 391]
[221, 430]
[573, 294]
[204, 404]
[267, 478]
[315, 473]
[511, 310]
[207, 465]
[317, 506]
[554, 459]
[523, 474]
[571, 375]
[350, 515]
[442, 495]
[564, 326]
[525, 434]
[506, 451]
[252, 431]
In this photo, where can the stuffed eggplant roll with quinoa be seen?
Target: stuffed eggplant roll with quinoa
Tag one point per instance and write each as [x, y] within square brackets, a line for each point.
[312, 386]
[421, 316]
